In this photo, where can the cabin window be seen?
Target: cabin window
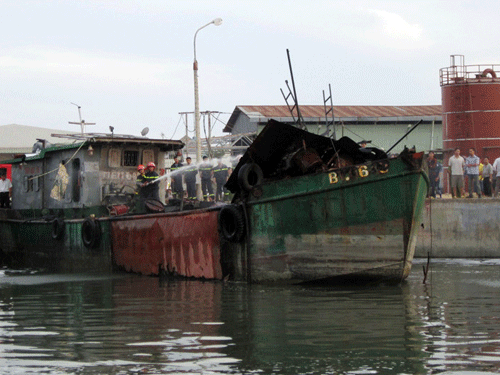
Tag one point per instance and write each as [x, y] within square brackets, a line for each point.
[75, 181]
[114, 157]
[130, 158]
[36, 183]
[147, 156]
[28, 183]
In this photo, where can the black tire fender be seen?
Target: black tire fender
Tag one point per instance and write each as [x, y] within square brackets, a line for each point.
[232, 223]
[249, 176]
[58, 228]
[91, 233]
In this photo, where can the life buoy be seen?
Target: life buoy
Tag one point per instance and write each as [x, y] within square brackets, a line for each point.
[91, 233]
[232, 223]
[489, 71]
[250, 175]
[57, 228]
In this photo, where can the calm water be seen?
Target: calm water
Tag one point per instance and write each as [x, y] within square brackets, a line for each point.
[126, 324]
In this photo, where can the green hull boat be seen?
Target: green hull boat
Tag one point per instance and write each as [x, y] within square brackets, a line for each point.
[308, 208]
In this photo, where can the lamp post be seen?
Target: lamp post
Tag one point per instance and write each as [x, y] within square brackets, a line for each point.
[216, 22]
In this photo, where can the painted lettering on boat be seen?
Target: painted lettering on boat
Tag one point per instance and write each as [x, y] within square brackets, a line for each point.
[116, 176]
[30, 170]
[361, 171]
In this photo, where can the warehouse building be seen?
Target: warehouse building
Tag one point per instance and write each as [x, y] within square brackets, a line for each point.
[382, 125]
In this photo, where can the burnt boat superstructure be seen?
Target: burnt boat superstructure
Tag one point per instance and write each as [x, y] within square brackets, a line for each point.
[307, 208]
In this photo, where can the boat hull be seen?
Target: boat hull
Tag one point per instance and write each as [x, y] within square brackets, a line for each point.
[182, 244]
[31, 243]
[316, 227]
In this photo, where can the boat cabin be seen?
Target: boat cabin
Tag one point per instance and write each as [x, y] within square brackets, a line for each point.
[95, 171]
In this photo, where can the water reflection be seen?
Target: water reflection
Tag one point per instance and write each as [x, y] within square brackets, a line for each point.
[121, 324]
[319, 330]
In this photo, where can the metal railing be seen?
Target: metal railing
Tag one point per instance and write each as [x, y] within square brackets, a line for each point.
[459, 74]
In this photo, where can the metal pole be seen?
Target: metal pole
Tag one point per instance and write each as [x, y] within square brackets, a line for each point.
[209, 135]
[216, 22]
[432, 135]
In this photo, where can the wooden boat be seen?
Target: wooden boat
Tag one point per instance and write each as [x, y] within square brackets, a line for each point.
[308, 208]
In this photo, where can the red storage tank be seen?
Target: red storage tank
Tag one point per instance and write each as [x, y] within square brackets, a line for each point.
[471, 108]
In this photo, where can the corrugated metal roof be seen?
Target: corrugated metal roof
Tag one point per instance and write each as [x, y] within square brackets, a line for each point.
[15, 136]
[340, 111]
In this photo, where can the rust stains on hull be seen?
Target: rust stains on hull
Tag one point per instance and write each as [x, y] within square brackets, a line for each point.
[185, 244]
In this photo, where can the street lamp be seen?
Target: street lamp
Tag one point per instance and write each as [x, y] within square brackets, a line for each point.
[216, 22]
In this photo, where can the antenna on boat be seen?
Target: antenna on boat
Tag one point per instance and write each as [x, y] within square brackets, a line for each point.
[403, 137]
[82, 123]
[293, 95]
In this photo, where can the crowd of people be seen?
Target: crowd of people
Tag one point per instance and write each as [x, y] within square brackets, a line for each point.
[183, 180]
[210, 175]
[481, 177]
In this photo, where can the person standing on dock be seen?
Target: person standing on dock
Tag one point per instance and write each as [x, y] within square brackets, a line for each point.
[456, 165]
[5, 191]
[176, 179]
[435, 169]
[190, 173]
[496, 170]
[487, 174]
[472, 171]
[151, 188]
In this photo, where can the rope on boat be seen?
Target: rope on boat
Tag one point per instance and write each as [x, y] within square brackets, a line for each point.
[57, 169]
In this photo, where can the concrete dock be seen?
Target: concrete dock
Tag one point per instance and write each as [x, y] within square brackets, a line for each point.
[460, 228]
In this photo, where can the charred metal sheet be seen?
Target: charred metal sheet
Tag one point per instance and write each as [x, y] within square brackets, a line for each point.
[279, 142]
[185, 244]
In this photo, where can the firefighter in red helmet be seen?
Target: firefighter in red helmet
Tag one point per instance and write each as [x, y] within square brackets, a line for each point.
[151, 188]
[140, 180]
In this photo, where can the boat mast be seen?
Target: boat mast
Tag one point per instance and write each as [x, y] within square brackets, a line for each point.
[293, 94]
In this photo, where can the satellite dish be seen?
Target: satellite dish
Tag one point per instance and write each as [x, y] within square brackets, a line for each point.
[145, 131]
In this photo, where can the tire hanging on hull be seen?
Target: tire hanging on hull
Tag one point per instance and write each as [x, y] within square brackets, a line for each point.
[249, 176]
[58, 228]
[91, 233]
[232, 223]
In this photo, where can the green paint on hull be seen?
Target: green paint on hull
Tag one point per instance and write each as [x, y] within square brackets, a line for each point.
[30, 244]
[364, 222]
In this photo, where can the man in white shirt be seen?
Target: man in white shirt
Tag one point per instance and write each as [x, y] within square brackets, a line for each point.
[487, 174]
[496, 170]
[5, 191]
[456, 165]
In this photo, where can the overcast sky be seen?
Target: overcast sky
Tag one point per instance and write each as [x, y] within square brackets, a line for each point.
[129, 63]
